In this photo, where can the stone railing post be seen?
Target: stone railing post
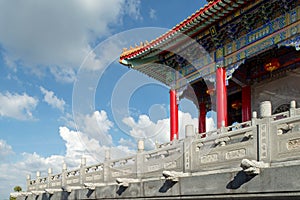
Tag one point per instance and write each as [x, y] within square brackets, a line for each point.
[64, 175]
[254, 118]
[223, 128]
[293, 108]
[49, 177]
[28, 180]
[265, 109]
[141, 146]
[139, 162]
[264, 132]
[189, 131]
[37, 181]
[82, 170]
[187, 153]
[106, 166]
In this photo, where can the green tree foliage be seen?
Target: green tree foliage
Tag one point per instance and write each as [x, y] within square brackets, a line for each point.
[12, 198]
[17, 189]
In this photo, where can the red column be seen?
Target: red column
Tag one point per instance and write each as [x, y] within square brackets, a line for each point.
[173, 115]
[221, 97]
[246, 105]
[202, 118]
[176, 120]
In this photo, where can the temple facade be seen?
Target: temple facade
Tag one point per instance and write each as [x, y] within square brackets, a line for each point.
[234, 55]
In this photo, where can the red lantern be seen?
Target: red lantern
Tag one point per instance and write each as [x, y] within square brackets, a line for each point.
[236, 104]
[272, 65]
[210, 91]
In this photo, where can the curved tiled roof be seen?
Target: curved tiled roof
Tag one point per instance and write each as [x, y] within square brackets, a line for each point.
[209, 13]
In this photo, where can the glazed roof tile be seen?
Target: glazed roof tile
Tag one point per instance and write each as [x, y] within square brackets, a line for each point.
[210, 12]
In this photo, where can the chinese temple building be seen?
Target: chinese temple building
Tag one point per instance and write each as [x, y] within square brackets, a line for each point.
[235, 54]
[234, 57]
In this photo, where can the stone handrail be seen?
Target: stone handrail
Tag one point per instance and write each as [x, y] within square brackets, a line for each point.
[220, 149]
[285, 136]
[122, 162]
[238, 126]
[94, 168]
[224, 148]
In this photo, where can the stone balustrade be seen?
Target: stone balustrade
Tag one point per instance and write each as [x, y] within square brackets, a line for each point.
[270, 139]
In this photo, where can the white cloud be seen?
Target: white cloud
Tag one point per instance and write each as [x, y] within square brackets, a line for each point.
[210, 124]
[64, 74]
[145, 128]
[211, 121]
[52, 100]
[67, 120]
[97, 126]
[35, 162]
[152, 13]
[92, 139]
[127, 143]
[12, 174]
[186, 119]
[133, 9]
[5, 149]
[18, 106]
[78, 145]
[158, 132]
[49, 35]
[97, 58]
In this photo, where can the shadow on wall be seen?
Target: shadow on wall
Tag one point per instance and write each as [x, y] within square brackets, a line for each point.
[166, 186]
[240, 178]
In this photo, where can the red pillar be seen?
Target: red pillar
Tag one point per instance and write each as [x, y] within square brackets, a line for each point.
[202, 118]
[176, 120]
[246, 105]
[221, 97]
[173, 115]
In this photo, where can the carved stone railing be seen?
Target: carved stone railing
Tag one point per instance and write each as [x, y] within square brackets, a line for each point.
[121, 168]
[259, 142]
[94, 173]
[224, 148]
[285, 136]
[55, 181]
[73, 177]
[169, 157]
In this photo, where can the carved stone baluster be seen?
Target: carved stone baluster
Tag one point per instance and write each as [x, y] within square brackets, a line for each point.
[49, 177]
[64, 175]
[139, 161]
[82, 170]
[28, 182]
[38, 175]
[293, 108]
[106, 166]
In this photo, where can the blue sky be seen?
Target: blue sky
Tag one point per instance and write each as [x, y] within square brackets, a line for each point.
[42, 46]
